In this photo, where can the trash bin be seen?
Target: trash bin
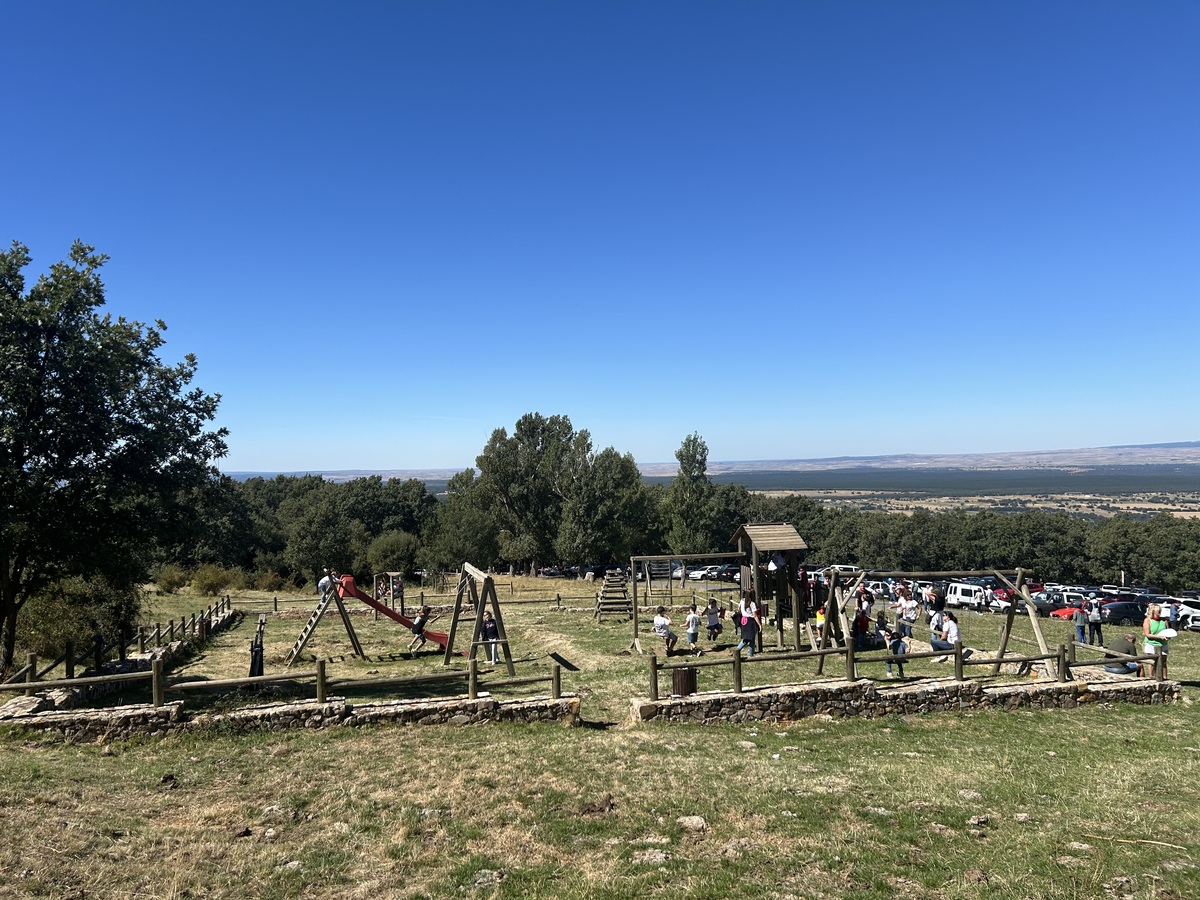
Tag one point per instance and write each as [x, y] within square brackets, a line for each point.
[683, 681]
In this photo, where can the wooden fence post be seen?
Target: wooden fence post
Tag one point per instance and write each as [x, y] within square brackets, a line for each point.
[276, 599]
[156, 681]
[141, 639]
[958, 661]
[737, 670]
[31, 675]
[1062, 663]
[1159, 674]
[1071, 653]
[851, 670]
[171, 631]
[320, 681]
[556, 681]
[158, 634]
[472, 679]
[121, 641]
[653, 677]
[70, 661]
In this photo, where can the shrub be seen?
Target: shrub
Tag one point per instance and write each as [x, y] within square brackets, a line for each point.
[171, 578]
[269, 581]
[210, 579]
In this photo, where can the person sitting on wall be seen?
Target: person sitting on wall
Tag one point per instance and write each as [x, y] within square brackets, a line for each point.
[1126, 645]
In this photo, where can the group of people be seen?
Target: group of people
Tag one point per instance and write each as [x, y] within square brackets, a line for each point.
[746, 618]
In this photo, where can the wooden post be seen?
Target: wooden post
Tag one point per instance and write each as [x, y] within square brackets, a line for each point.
[737, 670]
[1071, 652]
[472, 678]
[1159, 674]
[171, 630]
[851, 671]
[320, 681]
[121, 636]
[276, 599]
[141, 640]
[1062, 663]
[70, 661]
[156, 681]
[653, 677]
[192, 630]
[556, 681]
[158, 634]
[958, 661]
[31, 675]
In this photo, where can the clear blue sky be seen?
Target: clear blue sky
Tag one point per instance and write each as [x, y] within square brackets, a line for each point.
[801, 229]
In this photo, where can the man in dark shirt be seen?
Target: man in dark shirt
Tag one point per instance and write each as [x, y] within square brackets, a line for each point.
[1125, 645]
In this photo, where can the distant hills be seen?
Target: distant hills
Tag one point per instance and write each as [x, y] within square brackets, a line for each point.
[758, 474]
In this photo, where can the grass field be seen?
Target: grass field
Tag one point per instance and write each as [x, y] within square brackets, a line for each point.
[1093, 802]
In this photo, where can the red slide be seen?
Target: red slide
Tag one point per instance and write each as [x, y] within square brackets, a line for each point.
[347, 588]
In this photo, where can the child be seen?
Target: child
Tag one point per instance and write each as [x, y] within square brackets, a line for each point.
[896, 647]
[662, 627]
[692, 626]
[713, 613]
[490, 633]
[418, 629]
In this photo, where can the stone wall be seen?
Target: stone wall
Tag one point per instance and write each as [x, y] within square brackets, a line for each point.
[835, 697]
[126, 721]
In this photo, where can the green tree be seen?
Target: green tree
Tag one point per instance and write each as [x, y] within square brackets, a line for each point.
[529, 476]
[607, 515]
[464, 528]
[691, 500]
[100, 441]
[393, 551]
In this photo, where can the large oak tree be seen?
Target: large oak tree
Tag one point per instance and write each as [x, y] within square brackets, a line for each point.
[101, 442]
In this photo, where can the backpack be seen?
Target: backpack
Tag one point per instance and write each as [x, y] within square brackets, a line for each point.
[1093, 611]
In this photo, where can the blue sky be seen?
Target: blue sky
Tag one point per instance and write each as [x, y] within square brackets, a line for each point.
[801, 229]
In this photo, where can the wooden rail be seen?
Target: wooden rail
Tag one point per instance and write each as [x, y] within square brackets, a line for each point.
[853, 659]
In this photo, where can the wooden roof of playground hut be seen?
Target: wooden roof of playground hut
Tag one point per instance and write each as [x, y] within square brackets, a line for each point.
[769, 536]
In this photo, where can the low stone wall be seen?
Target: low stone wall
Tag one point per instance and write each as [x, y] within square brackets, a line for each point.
[835, 697]
[170, 653]
[126, 721]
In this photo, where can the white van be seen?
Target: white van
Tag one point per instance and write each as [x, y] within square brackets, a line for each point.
[970, 596]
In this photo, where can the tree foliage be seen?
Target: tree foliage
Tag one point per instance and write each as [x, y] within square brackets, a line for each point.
[100, 441]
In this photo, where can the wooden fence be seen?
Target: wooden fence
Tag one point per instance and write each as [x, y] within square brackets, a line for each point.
[1064, 658]
[160, 686]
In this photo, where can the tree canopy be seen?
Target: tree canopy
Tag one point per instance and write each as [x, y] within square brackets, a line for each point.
[101, 443]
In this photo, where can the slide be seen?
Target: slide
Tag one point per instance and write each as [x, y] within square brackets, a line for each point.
[348, 588]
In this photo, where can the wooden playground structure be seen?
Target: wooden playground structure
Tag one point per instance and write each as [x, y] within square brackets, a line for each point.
[475, 588]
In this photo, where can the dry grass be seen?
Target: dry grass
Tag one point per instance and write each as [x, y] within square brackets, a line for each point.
[973, 805]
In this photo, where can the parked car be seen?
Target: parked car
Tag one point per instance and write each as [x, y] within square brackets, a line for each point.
[703, 573]
[1123, 612]
[728, 572]
[962, 594]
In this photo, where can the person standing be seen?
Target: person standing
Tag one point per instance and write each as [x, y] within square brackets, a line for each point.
[1152, 639]
[1079, 619]
[1095, 626]
[490, 633]
[691, 625]
[712, 614]
[748, 615]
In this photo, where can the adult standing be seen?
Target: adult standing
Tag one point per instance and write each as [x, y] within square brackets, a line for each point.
[1095, 626]
[1152, 639]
